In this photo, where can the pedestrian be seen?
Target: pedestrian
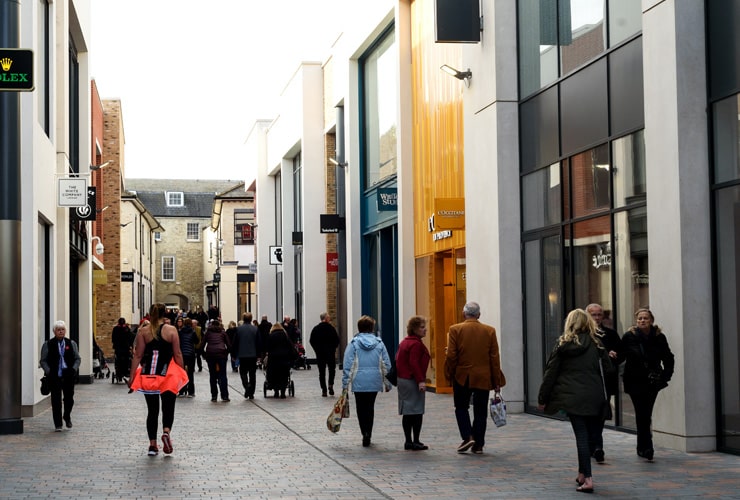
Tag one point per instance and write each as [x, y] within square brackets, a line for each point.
[613, 344]
[160, 376]
[231, 333]
[264, 327]
[246, 349]
[324, 339]
[60, 360]
[412, 361]
[217, 346]
[123, 340]
[473, 365]
[648, 368]
[573, 383]
[199, 344]
[188, 341]
[280, 356]
[366, 362]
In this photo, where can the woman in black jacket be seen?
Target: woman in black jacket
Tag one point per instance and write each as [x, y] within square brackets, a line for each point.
[648, 368]
[573, 384]
[188, 340]
[280, 357]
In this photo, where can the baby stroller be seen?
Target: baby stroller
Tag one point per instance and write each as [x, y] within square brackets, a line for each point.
[267, 386]
[100, 365]
[301, 362]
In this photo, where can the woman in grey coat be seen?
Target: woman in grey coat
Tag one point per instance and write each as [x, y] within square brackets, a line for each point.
[573, 384]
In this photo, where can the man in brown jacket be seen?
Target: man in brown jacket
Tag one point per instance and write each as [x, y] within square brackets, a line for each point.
[474, 367]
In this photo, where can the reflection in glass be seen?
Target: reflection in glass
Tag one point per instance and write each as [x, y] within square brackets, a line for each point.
[625, 19]
[591, 262]
[726, 140]
[541, 197]
[381, 107]
[551, 256]
[587, 36]
[538, 57]
[590, 172]
[728, 286]
[632, 279]
[628, 162]
[533, 311]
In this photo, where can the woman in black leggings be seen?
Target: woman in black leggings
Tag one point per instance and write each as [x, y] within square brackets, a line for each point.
[158, 377]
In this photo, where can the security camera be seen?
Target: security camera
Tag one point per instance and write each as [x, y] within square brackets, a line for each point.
[99, 249]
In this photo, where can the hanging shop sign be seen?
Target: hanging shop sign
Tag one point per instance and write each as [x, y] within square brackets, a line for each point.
[332, 262]
[16, 70]
[331, 223]
[88, 212]
[72, 192]
[276, 255]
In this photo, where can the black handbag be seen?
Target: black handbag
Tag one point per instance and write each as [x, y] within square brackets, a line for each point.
[392, 375]
[656, 380]
[45, 389]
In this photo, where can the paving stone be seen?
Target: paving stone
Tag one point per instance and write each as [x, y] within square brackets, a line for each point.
[280, 448]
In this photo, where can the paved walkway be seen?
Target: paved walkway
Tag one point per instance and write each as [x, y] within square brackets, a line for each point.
[280, 448]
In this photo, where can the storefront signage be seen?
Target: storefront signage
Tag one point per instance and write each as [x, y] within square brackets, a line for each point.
[442, 235]
[127, 276]
[449, 213]
[16, 70]
[332, 262]
[88, 212]
[72, 192]
[602, 259]
[276, 255]
[331, 223]
[387, 199]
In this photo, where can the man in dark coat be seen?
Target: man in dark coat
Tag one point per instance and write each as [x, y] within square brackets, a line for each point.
[247, 348]
[325, 340]
[60, 360]
[613, 344]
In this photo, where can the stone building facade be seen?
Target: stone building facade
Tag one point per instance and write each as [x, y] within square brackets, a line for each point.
[183, 208]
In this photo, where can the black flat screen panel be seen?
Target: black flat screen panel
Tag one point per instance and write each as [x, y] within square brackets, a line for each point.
[583, 109]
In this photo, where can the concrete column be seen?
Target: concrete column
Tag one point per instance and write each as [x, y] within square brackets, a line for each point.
[10, 235]
[679, 219]
[492, 225]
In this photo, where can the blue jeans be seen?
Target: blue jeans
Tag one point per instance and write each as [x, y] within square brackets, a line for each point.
[461, 398]
[217, 369]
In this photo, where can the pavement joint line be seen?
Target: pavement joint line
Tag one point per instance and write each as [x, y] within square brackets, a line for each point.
[322, 452]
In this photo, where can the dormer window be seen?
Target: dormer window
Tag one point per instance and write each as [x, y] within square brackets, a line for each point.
[175, 198]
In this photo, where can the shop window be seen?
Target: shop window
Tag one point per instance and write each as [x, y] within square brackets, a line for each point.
[380, 105]
[728, 287]
[727, 139]
[625, 20]
[541, 198]
[628, 167]
[587, 36]
[589, 172]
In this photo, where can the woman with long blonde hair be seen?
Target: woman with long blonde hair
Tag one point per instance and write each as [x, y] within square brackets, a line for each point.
[573, 384]
[158, 377]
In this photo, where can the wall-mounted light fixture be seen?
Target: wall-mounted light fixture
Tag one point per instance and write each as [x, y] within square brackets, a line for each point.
[99, 248]
[460, 75]
[98, 167]
[334, 162]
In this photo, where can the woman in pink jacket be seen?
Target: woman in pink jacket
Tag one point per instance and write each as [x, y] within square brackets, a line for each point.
[412, 361]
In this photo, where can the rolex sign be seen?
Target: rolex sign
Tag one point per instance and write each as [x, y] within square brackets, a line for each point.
[16, 70]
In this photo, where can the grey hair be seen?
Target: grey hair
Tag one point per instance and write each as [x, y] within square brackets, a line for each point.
[323, 316]
[471, 310]
[59, 324]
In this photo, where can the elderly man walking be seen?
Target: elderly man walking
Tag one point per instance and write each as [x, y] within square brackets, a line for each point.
[474, 367]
